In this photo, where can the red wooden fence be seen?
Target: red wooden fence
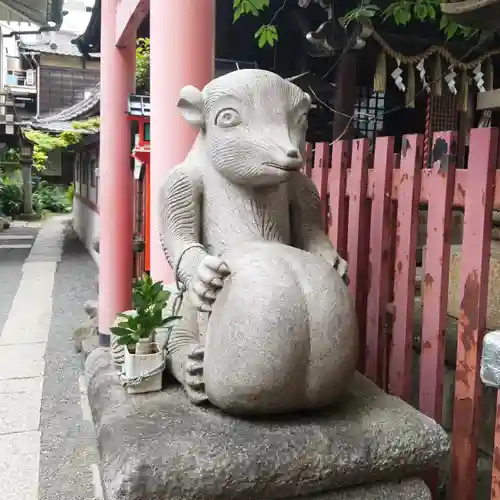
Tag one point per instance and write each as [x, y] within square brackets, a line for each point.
[370, 209]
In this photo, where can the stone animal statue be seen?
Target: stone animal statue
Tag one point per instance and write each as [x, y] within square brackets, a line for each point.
[267, 325]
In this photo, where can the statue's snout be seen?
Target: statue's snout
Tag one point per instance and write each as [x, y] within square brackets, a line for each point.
[292, 159]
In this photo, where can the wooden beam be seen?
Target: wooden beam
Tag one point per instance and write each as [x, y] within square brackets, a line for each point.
[488, 100]
[129, 16]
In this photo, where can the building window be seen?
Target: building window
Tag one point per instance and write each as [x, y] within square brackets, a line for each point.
[147, 132]
[370, 108]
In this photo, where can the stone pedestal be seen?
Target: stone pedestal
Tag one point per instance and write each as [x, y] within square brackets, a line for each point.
[159, 446]
[454, 294]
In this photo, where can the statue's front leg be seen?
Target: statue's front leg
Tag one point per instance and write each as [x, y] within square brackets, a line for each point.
[185, 353]
[307, 224]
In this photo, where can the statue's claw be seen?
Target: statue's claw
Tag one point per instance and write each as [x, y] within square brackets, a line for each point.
[341, 267]
[194, 382]
[207, 282]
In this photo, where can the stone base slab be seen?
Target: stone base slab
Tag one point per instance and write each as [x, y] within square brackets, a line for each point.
[159, 446]
[409, 489]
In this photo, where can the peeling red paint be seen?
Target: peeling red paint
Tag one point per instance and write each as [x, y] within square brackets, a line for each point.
[404, 273]
[428, 280]
[468, 310]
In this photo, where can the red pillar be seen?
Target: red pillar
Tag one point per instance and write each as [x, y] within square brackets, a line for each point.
[116, 179]
[182, 53]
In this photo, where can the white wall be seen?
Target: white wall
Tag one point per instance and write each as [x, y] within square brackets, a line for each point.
[87, 225]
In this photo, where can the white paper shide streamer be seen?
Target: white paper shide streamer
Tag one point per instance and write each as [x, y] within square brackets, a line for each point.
[423, 77]
[450, 80]
[478, 78]
[398, 79]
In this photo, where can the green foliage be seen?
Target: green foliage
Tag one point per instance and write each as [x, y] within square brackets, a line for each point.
[267, 34]
[142, 66]
[401, 11]
[11, 195]
[50, 198]
[46, 197]
[254, 7]
[70, 193]
[44, 143]
[149, 301]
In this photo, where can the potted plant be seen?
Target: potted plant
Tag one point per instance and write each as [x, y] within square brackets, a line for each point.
[144, 360]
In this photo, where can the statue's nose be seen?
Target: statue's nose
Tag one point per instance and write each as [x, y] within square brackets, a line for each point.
[293, 153]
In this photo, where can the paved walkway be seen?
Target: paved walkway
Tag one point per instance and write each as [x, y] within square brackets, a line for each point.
[46, 443]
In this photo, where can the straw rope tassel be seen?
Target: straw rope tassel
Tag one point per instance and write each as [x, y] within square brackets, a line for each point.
[463, 101]
[437, 77]
[380, 78]
[410, 88]
[488, 74]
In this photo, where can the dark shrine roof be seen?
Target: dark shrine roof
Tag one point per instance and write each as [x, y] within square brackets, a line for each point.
[57, 42]
[62, 121]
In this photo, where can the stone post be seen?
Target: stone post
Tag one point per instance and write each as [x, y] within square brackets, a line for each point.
[26, 166]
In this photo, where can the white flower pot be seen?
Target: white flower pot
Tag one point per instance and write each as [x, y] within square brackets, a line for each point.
[137, 364]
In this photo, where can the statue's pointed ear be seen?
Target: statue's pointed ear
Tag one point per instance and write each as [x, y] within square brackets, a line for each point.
[191, 106]
[309, 98]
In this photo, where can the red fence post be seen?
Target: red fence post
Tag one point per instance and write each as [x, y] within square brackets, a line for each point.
[338, 201]
[320, 177]
[379, 269]
[405, 266]
[358, 237]
[472, 321]
[436, 268]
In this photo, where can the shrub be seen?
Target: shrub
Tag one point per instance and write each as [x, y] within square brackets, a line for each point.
[70, 193]
[48, 197]
[11, 195]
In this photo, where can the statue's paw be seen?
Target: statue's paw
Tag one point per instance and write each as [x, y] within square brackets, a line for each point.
[195, 384]
[207, 282]
[341, 267]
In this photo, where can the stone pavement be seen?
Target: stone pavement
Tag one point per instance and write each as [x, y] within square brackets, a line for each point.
[46, 439]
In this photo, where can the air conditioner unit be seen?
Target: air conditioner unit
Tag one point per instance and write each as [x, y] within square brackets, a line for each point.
[30, 77]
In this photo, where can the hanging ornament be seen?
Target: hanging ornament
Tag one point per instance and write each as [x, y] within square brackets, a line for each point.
[380, 78]
[437, 83]
[396, 76]
[410, 90]
[423, 78]
[450, 80]
[478, 78]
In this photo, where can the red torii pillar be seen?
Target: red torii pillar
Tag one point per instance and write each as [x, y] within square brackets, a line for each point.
[182, 53]
[115, 180]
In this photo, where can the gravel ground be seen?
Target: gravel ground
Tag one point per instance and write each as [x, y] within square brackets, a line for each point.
[67, 439]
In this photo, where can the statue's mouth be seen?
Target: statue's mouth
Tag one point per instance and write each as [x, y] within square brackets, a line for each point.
[286, 168]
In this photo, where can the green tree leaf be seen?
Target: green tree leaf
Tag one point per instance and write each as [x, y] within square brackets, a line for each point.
[120, 331]
[126, 341]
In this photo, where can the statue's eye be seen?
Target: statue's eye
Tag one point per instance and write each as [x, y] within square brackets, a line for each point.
[227, 117]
